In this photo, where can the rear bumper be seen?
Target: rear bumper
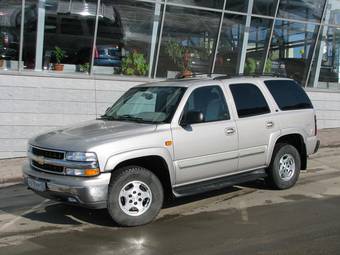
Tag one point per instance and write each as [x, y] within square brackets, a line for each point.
[312, 145]
[88, 192]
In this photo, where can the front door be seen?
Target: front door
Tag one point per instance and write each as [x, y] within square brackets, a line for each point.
[207, 149]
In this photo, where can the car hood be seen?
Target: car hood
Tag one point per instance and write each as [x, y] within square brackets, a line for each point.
[86, 135]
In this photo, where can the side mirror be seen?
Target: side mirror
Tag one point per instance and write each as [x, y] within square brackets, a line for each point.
[192, 117]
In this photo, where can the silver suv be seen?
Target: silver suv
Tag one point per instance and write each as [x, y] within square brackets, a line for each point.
[177, 137]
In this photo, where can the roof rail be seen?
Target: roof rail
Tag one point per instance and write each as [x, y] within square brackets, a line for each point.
[229, 76]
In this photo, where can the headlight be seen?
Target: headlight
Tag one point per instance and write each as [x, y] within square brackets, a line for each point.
[83, 172]
[81, 156]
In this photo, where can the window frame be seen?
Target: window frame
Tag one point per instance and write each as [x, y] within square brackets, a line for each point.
[263, 93]
[186, 99]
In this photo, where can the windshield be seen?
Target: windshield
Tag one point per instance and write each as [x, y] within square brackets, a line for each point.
[146, 104]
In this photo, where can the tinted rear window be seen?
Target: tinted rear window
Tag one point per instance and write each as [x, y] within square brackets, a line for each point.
[249, 100]
[288, 95]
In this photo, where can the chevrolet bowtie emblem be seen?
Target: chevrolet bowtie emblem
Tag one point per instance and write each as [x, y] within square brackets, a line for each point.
[40, 160]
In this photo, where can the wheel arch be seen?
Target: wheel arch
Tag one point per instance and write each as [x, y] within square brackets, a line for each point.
[295, 139]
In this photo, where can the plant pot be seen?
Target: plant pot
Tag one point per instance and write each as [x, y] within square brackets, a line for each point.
[1, 63]
[186, 73]
[58, 67]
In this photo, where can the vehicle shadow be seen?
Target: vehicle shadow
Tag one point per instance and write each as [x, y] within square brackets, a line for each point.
[65, 214]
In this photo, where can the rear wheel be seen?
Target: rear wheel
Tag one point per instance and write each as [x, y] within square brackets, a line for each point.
[135, 196]
[284, 169]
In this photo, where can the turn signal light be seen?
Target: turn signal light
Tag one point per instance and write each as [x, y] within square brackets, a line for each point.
[91, 172]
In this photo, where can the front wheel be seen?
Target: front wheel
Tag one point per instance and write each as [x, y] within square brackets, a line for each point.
[284, 169]
[135, 196]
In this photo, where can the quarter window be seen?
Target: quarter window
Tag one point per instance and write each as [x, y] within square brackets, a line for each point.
[288, 95]
[210, 101]
[249, 100]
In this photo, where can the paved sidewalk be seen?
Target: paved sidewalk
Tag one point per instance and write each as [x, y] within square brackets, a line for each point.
[10, 169]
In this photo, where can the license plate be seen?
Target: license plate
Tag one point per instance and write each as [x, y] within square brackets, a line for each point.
[36, 185]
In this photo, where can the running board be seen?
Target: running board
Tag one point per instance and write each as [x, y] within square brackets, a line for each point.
[219, 183]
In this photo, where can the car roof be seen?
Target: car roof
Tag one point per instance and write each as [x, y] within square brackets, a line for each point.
[198, 81]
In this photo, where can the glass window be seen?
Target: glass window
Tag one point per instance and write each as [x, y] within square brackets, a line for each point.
[309, 10]
[126, 31]
[237, 5]
[146, 104]
[291, 49]
[217, 4]
[66, 37]
[210, 101]
[188, 41]
[249, 100]
[332, 15]
[327, 57]
[10, 20]
[230, 44]
[259, 33]
[265, 7]
[288, 95]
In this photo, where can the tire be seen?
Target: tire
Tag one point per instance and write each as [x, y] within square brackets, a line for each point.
[288, 157]
[135, 196]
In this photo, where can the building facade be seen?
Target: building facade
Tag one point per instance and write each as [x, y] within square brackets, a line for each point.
[64, 61]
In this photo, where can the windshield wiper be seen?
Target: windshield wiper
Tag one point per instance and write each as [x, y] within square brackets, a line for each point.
[130, 118]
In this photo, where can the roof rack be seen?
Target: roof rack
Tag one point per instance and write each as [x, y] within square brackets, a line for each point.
[193, 75]
[229, 76]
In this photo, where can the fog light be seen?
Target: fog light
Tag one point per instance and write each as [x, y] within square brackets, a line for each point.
[83, 172]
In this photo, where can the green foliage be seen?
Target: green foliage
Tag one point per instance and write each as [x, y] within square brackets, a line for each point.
[268, 67]
[250, 66]
[176, 52]
[135, 64]
[84, 67]
[59, 54]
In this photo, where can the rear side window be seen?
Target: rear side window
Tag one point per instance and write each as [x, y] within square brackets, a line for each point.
[288, 95]
[249, 100]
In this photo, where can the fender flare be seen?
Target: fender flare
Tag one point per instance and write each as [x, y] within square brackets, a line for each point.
[114, 160]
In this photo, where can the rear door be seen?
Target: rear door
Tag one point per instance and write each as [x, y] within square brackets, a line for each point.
[255, 124]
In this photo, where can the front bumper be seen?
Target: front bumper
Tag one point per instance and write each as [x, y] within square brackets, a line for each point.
[89, 192]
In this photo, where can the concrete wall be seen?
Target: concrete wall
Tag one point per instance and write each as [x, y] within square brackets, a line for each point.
[30, 105]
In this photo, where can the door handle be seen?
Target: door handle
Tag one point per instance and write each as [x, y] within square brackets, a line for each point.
[230, 131]
[269, 124]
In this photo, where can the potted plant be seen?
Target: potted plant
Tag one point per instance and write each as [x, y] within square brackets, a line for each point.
[135, 64]
[84, 68]
[59, 56]
[180, 55]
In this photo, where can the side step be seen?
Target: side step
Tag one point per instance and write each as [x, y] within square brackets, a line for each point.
[219, 183]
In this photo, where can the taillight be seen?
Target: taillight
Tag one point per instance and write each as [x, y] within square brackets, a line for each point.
[315, 126]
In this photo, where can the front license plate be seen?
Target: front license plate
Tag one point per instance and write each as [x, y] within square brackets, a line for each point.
[36, 184]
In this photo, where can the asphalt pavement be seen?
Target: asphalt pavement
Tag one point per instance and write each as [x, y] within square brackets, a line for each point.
[245, 219]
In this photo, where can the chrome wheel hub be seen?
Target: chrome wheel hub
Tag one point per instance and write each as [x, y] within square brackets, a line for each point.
[287, 167]
[135, 198]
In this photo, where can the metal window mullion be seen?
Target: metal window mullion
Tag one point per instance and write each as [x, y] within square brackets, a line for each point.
[95, 38]
[20, 66]
[212, 70]
[315, 45]
[242, 58]
[160, 39]
[270, 37]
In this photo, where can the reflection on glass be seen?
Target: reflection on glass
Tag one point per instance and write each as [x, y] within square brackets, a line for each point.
[333, 13]
[237, 5]
[188, 41]
[259, 33]
[309, 10]
[230, 44]
[125, 35]
[218, 4]
[265, 7]
[66, 34]
[10, 19]
[30, 34]
[328, 57]
[291, 49]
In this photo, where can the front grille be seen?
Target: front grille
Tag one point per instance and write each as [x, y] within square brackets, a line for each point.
[47, 167]
[48, 153]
